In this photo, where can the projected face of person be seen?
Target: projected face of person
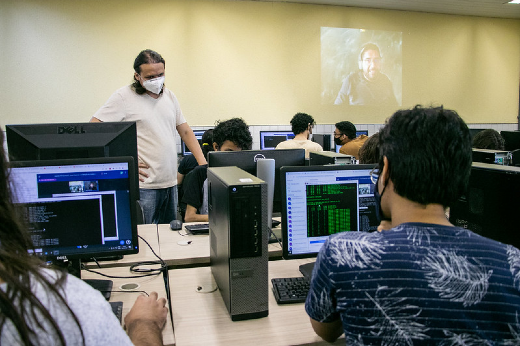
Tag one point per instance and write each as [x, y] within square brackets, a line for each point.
[371, 64]
[227, 146]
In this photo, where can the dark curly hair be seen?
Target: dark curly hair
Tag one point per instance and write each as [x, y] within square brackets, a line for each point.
[300, 122]
[488, 139]
[429, 154]
[146, 56]
[369, 151]
[206, 142]
[347, 128]
[234, 130]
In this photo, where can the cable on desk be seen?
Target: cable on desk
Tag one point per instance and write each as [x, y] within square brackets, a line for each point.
[135, 267]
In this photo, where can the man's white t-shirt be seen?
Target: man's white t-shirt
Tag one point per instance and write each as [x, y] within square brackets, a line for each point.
[157, 121]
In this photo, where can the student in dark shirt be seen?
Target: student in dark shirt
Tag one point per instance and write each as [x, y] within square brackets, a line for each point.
[422, 281]
[229, 135]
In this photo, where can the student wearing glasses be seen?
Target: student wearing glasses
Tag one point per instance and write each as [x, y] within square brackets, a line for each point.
[345, 135]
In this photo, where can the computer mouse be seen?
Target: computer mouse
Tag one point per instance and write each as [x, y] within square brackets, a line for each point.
[176, 225]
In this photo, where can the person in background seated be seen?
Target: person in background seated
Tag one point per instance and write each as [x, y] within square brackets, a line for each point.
[229, 135]
[188, 163]
[488, 139]
[423, 281]
[369, 151]
[41, 305]
[302, 125]
[158, 115]
[345, 135]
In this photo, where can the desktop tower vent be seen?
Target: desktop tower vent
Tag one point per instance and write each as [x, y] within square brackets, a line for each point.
[238, 241]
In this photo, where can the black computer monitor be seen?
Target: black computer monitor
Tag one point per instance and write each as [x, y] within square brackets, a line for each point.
[246, 160]
[323, 140]
[511, 139]
[318, 201]
[77, 209]
[184, 149]
[270, 139]
[490, 204]
[358, 133]
[73, 140]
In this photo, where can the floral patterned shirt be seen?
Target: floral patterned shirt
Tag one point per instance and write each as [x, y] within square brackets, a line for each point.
[418, 284]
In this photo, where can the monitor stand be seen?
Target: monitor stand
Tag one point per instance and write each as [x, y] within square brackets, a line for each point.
[74, 268]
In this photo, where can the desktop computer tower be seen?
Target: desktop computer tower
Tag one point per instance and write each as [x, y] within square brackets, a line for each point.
[238, 234]
[498, 157]
[330, 158]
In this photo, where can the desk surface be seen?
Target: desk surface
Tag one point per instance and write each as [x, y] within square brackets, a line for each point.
[202, 318]
[166, 244]
[149, 234]
[128, 297]
[196, 253]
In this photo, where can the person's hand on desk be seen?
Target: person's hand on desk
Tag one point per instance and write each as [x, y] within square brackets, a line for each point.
[146, 319]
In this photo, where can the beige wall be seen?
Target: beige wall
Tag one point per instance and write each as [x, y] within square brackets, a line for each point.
[61, 59]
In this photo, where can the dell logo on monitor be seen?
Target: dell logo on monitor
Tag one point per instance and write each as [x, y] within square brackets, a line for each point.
[70, 130]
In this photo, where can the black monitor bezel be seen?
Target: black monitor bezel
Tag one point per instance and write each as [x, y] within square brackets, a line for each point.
[508, 146]
[262, 142]
[132, 195]
[71, 141]
[283, 171]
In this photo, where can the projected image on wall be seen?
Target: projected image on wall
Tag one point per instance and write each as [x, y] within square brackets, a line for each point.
[361, 67]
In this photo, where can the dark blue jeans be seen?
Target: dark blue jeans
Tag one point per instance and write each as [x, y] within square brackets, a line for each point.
[159, 205]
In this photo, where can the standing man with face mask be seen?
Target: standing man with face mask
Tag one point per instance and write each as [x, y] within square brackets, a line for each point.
[368, 86]
[158, 115]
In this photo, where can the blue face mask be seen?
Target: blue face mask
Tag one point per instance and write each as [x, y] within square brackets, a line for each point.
[379, 212]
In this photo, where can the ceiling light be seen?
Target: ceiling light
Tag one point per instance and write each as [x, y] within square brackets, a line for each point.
[514, 2]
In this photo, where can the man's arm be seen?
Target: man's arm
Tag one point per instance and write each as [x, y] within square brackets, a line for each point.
[192, 216]
[329, 332]
[146, 319]
[142, 174]
[191, 142]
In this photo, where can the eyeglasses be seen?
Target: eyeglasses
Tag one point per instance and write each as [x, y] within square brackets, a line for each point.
[374, 175]
[337, 135]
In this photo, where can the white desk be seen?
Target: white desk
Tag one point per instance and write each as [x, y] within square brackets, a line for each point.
[128, 297]
[202, 318]
[149, 233]
[197, 252]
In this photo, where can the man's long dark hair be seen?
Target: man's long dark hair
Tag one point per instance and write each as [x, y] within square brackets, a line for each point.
[146, 56]
[19, 270]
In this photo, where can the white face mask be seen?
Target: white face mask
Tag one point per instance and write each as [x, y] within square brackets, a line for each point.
[154, 85]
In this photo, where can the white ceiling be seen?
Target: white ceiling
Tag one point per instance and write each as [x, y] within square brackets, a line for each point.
[482, 8]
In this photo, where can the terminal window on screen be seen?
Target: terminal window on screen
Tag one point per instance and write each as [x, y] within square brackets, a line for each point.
[86, 206]
[331, 209]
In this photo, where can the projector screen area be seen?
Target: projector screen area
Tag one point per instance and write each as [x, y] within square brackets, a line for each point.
[361, 67]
